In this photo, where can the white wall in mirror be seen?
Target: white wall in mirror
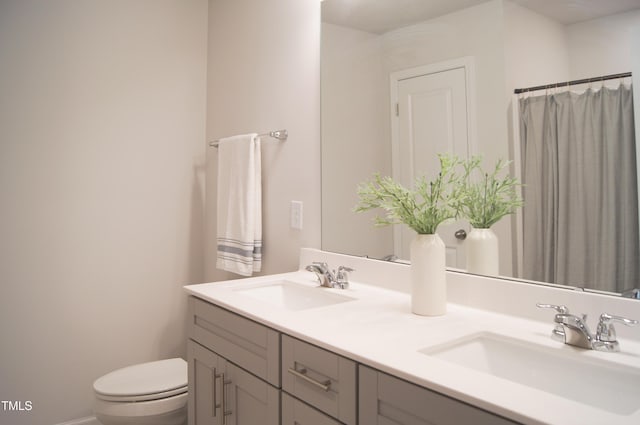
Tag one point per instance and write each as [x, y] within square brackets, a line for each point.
[476, 32]
[355, 131]
[603, 46]
[512, 47]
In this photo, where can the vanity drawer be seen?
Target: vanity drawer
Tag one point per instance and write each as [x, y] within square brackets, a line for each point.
[386, 399]
[295, 412]
[252, 346]
[321, 378]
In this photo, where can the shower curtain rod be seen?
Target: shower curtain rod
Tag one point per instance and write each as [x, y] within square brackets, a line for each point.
[574, 82]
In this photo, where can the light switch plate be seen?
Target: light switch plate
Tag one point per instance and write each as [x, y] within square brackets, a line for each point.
[296, 215]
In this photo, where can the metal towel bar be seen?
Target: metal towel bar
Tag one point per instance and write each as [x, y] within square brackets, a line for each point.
[277, 134]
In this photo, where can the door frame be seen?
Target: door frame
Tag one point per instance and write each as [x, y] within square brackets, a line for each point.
[467, 63]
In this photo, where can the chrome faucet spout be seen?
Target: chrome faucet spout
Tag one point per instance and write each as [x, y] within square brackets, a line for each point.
[324, 274]
[328, 278]
[576, 331]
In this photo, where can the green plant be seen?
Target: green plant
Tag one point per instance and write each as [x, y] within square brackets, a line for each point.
[423, 208]
[487, 197]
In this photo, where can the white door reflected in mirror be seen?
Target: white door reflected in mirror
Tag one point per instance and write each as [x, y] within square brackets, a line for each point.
[431, 118]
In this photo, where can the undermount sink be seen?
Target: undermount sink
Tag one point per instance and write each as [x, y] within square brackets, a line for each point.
[293, 296]
[600, 384]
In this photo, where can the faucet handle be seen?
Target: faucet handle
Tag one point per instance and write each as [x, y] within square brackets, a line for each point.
[322, 265]
[557, 334]
[606, 318]
[561, 309]
[606, 331]
[342, 276]
[345, 269]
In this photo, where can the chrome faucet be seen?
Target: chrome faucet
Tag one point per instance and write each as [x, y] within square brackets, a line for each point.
[328, 278]
[342, 277]
[573, 330]
[322, 271]
[632, 293]
[576, 331]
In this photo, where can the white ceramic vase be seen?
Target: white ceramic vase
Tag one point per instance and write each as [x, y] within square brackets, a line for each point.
[482, 252]
[428, 276]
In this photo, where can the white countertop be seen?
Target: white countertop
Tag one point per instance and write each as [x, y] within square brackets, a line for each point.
[378, 329]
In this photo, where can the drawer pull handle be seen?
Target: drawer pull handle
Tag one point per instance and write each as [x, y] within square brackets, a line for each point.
[302, 374]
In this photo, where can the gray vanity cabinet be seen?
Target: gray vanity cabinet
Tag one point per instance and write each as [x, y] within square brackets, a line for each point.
[244, 373]
[234, 368]
[387, 400]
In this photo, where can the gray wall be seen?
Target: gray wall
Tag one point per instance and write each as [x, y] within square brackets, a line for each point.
[102, 130]
[105, 110]
[264, 74]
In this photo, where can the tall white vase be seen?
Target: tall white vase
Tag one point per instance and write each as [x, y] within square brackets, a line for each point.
[428, 276]
[482, 252]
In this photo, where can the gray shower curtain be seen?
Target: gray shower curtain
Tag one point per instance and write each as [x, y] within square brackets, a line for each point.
[580, 219]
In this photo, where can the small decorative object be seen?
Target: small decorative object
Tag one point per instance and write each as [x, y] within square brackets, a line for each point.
[482, 252]
[486, 198]
[423, 208]
[428, 275]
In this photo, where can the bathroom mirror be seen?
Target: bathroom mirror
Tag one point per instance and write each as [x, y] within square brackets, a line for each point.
[363, 42]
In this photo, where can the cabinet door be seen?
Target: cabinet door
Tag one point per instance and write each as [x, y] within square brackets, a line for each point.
[247, 400]
[295, 412]
[386, 400]
[204, 369]
[221, 393]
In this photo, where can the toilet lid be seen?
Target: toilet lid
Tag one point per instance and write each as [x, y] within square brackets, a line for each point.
[144, 381]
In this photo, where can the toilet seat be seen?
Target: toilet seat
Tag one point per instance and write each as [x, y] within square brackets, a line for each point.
[144, 397]
[143, 382]
[150, 410]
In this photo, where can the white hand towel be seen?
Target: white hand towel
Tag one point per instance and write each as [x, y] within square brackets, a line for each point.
[239, 205]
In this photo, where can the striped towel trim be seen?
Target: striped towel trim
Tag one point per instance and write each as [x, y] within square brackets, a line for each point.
[247, 254]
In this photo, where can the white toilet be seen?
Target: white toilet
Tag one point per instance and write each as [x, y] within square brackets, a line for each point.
[152, 393]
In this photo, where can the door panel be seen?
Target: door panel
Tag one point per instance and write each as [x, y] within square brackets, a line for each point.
[432, 119]
[203, 368]
[247, 399]
[221, 393]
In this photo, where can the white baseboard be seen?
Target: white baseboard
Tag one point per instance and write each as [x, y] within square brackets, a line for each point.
[90, 420]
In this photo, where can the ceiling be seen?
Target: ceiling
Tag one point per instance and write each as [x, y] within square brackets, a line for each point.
[379, 16]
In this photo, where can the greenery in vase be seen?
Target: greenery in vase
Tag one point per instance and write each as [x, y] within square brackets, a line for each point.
[488, 197]
[423, 208]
